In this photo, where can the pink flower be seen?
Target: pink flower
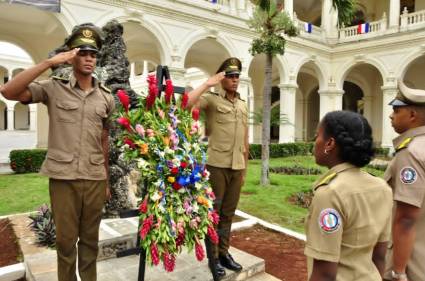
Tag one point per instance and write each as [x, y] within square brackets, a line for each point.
[214, 217]
[195, 114]
[212, 233]
[124, 99]
[140, 130]
[150, 133]
[125, 122]
[161, 113]
[193, 223]
[144, 206]
[146, 227]
[169, 91]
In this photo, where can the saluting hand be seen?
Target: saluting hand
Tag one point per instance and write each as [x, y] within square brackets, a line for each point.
[214, 80]
[63, 57]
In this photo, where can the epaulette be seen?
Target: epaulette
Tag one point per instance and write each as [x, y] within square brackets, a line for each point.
[405, 143]
[213, 93]
[62, 79]
[326, 180]
[241, 99]
[105, 88]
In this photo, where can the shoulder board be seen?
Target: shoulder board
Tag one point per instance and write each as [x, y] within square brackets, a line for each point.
[326, 180]
[405, 143]
[241, 99]
[106, 89]
[213, 93]
[63, 79]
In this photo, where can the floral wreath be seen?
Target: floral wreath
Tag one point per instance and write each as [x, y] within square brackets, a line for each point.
[162, 136]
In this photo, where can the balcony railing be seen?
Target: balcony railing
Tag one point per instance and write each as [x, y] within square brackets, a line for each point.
[315, 34]
[412, 21]
[351, 33]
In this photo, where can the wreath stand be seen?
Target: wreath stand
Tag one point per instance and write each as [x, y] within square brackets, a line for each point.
[162, 73]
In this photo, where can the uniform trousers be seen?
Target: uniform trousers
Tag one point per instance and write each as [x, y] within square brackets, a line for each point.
[226, 184]
[77, 211]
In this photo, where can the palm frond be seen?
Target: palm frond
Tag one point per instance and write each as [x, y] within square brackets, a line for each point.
[263, 4]
[346, 10]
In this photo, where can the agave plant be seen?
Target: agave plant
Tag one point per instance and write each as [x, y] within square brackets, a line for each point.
[43, 226]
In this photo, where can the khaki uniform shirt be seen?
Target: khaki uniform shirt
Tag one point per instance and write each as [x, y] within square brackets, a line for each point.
[226, 127]
[406, 176]
[76, 121]
[344, 223]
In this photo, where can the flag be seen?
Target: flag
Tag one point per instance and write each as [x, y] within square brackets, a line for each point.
[307, 27]
[214, 1]
[48, 5]
[363, 28]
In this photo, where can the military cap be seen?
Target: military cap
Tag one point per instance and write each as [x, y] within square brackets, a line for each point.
[231, 66]
[408, 96]
[87, 37]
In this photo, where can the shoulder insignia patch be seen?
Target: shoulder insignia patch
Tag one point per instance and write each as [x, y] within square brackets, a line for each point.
[404, 144]
[106, 89]
[408, 175]
[329, 220]
[62, 79]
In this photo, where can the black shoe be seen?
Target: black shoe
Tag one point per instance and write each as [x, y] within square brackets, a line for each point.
[219, 269]
[228, 262]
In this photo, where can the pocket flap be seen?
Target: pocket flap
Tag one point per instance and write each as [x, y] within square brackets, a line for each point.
[101, 112]
[59, 155]
[223, 109]
[67, 105]
[97, 159]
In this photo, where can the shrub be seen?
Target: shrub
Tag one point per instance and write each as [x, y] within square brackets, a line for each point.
[43, 226]
[282, 149]
[27, 160]
[382, 151]
[295, 170]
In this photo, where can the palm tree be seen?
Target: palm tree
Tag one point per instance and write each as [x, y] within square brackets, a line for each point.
[271, 24]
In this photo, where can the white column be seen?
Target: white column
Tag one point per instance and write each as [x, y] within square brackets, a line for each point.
[245, 90]
[132, 70]
[177, 76]
[289, 7]
[287, 109]
[330, 100]
[33, 117]
[232, 7]
[388, 133]
[394, 17]
[241, 7]
[145, 68]
[330, 21]
[11, 118]
[10, 74]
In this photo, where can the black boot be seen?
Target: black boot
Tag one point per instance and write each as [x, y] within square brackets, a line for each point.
[228, 262]
[219, 269]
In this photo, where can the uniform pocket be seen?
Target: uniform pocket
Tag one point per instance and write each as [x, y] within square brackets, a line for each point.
[224, 114]
[97, 159]
[67, 111]
[58, 160]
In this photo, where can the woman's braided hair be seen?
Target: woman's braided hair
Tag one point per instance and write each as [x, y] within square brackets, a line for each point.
[352, 134]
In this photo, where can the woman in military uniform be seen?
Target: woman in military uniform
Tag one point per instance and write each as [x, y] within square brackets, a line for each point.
[346, 233]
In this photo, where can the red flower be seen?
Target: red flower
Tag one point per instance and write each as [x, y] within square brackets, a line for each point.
[144, 206]
[185, 99]
[130, 143]
[154, 254]
[183, 165]
[146, 227]
[180, 239]
[125, 122]
[212, 234]
[176, 186]
[195, 114]
[169, 262]
[153, 91]
[169, 91]
[124, 99]
[199, 251]
[174, 170]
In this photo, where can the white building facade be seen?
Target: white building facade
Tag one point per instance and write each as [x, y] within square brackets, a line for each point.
[328, 69]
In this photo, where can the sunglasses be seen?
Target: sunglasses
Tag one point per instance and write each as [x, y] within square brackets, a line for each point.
[232, 76]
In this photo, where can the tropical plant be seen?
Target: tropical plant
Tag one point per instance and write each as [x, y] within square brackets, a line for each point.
[43, 226]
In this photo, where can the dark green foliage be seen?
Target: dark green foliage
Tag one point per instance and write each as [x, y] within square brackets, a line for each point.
[380, 167]
[382, 151]
[282, 149]
[27, 160]
[346, 10]
[43, 226]
[303, 198]
[296, 170]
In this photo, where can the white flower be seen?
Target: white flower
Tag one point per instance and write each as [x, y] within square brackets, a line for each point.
[158, 183]
[176, 162]
[195, 147]
[161, 208]
[187, 146]
[168, 150]
[198, 185]
[142, 164]
[161, 154]
[195, 207]
[155, 197]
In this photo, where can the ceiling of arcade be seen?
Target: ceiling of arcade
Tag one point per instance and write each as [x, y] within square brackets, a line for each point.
[34, 30]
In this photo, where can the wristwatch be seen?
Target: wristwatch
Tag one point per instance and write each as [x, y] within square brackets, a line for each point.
[398, 276]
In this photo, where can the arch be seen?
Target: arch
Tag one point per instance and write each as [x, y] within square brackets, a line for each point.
[201, 35]
[405, 63]
[343, 71]
[319, 69]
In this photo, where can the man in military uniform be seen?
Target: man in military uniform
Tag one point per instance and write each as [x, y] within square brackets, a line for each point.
[227, 150]
[406, 176]
[77, 155]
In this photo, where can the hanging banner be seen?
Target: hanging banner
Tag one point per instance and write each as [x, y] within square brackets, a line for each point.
[48, 5]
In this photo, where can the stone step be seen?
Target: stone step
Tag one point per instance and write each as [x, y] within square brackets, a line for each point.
[263, 277]
[42, 267]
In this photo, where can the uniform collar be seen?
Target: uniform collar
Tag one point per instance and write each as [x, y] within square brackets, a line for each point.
[332, 173]
[222, 94]
[408, 134]
[73, 81]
